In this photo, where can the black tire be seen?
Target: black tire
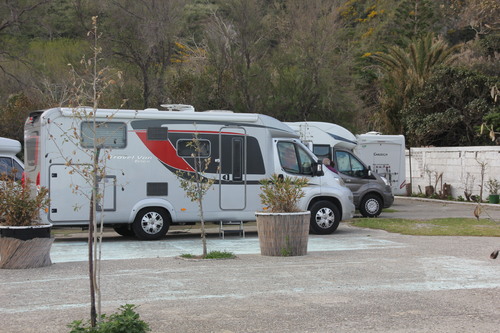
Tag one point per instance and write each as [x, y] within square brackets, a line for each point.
[124, 230]
[151, 223]
[371, 205]
[325, 218]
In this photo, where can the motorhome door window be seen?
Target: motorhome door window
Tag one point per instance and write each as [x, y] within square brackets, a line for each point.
[237, 144]
[106, 134]
[186, 148]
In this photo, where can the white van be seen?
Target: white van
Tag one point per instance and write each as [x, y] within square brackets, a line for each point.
[147, 148]
[371, 191]
[8, 160]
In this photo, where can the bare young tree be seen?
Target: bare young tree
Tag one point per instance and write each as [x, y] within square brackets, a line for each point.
[195, 184]
[89, 162]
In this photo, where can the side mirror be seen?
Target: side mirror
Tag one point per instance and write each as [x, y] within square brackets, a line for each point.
[317, 169]
[369, 172]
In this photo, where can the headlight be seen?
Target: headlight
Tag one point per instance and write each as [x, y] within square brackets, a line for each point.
[386, 182]
[340, 180]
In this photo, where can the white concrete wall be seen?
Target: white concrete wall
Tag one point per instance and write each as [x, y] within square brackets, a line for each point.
[456, 163]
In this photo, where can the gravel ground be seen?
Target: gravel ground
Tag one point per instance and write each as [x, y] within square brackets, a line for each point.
[394, 283]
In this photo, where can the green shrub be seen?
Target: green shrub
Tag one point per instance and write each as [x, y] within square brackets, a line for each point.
[127, 321]
[219, 255]
[19, 207]
[210, 255]
[281, 194]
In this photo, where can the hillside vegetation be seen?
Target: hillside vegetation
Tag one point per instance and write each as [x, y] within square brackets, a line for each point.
[428, 69]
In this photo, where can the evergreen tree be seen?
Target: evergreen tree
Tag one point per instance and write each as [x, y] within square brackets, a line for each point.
[404, 71]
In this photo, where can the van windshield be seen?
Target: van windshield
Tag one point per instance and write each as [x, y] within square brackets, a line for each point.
[349, 165]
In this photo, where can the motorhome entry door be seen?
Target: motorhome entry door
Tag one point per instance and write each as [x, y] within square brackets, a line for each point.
[232, 171]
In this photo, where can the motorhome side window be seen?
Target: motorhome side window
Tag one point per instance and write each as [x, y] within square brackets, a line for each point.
[294, 159]
[106, 135]
[349, 165]
[186, 148]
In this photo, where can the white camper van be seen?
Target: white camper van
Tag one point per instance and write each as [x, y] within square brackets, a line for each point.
[371, 191]
[8, 160]
[142, 196]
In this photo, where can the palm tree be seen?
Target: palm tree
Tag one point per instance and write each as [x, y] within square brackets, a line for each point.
[404, 73]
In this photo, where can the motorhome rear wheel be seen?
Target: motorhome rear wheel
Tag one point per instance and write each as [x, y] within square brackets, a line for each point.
[325, 217]
[151, 223]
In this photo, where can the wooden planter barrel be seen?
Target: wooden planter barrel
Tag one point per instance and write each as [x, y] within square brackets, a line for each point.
[283, 234]
[25, 247]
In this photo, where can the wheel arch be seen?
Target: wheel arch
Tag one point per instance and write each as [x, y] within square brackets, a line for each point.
[151, 203]
[333, 200]
[372, 192]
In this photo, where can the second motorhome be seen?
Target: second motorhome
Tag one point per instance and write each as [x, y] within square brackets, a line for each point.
[371, 191]
[147, 148]
[385, 154]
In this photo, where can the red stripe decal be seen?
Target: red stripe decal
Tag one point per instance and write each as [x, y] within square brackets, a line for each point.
[165, 152]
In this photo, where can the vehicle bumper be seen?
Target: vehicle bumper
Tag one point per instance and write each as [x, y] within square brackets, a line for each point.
[348, 207]
[388, 200]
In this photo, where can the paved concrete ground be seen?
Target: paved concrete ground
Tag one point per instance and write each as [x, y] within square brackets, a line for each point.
[355, 280]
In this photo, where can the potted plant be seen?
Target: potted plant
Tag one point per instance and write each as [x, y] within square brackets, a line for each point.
[24, 241]
[282, 228]
[493, 186]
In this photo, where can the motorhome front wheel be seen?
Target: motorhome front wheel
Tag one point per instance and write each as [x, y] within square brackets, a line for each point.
[151, 223]
[325, 218]
[371, 205]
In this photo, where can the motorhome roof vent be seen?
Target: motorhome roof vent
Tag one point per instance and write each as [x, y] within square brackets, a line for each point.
[178, 107]
[374, 133]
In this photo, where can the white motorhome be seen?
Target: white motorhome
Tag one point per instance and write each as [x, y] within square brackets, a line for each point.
[8, 160]
[385, 154]
[371, 191]
[147, 148]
